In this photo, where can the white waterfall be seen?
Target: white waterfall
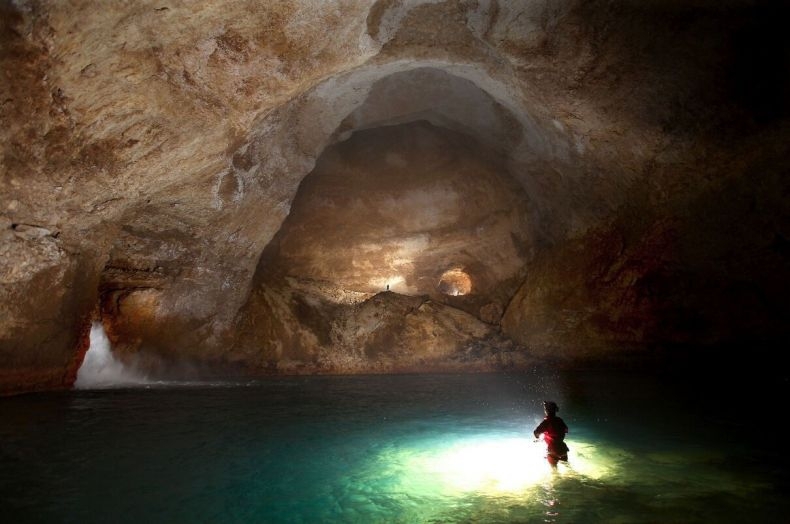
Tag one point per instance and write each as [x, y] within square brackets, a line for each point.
[100, 369]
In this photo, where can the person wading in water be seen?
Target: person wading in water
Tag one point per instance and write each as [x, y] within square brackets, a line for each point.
[553, 429]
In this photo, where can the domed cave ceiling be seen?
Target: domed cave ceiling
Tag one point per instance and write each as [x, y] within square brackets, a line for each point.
[392, 185]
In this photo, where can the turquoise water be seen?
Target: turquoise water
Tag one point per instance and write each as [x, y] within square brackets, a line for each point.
[429, 448]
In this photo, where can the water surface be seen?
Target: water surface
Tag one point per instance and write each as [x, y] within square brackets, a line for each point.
[428, 448]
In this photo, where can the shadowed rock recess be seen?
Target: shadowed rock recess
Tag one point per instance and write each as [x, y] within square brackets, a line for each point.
[392, 185]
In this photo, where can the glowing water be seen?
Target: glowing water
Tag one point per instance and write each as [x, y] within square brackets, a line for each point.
[493, 464]
[101, 369]
[384, 449]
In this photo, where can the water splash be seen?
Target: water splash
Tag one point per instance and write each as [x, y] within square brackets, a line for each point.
[101, 369]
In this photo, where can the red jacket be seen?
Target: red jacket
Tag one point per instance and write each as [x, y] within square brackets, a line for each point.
[554, 430]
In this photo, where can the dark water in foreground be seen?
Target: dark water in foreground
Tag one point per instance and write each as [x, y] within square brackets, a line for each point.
[432, 448]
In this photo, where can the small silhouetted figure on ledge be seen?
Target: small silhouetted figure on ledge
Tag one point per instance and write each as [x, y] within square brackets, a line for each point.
[553, 429]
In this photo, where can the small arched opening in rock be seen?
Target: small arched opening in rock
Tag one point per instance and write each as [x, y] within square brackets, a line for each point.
[455, 282]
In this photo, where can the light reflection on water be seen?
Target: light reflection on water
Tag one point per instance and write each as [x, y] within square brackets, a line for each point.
[442, 448]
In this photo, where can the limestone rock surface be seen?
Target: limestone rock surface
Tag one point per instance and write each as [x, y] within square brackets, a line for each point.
[233, 183]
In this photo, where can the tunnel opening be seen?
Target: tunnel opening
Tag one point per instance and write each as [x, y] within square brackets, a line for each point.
[386, 207]
[352, 273]
[407, 169]
[455, 282]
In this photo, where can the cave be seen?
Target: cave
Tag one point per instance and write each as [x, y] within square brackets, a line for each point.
[360, 206]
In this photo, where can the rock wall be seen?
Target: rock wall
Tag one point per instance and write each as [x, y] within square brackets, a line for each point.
[48, 299]
[151, 152]
[293, 329]
[704, 272]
